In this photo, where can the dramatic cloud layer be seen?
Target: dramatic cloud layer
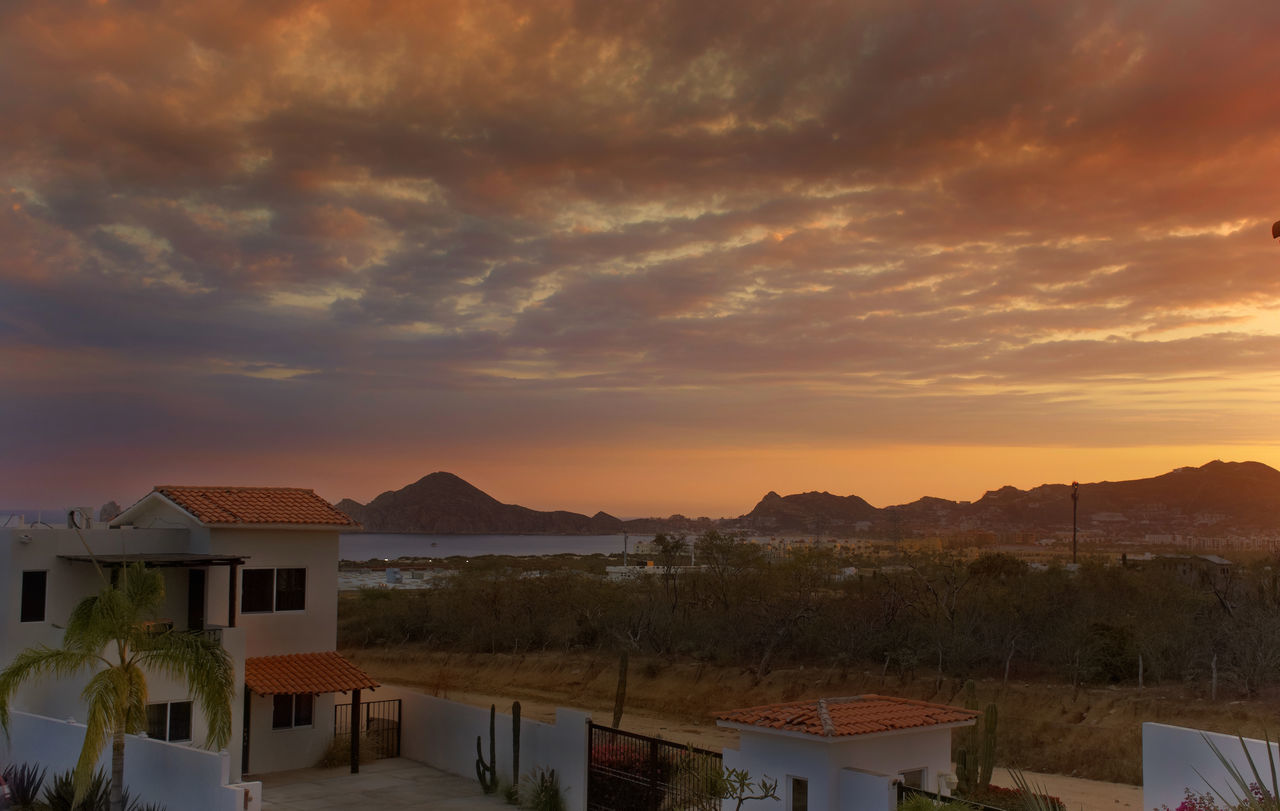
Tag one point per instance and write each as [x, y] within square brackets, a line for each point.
[640, 256]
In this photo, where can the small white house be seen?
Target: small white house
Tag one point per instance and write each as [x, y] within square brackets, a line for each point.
[254, 567]
[839, 753]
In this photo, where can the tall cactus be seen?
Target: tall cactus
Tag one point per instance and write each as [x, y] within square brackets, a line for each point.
[987, 761]
[976, 758]
[487, 773]
[967, 756]
[515, 743]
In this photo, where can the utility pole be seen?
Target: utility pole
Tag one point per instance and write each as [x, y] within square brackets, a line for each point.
[1075, 503]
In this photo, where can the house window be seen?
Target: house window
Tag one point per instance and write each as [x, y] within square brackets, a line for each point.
[799, 794]
[288, 711]
[169, 721]
[266, 590]
[913, 778]
[34, 587]
[291, 589]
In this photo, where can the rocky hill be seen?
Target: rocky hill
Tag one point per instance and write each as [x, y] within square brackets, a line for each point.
[443, 504]
[1216, 497]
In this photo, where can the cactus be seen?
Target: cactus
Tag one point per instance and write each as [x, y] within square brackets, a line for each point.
[987, 758]
[976, 758]
[487, 773]
[515, 743]
[966, 757]
[966, 774]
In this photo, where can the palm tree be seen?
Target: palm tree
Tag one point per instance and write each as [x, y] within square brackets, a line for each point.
[107, 636]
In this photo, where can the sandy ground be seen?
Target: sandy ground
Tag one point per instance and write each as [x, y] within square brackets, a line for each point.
[1077, 793]
[1080, 794]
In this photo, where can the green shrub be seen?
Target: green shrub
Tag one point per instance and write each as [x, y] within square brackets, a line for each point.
[540, 791]
[339, 751]
[24, 781]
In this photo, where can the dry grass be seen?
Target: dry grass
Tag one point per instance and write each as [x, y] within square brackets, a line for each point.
[1089, 732]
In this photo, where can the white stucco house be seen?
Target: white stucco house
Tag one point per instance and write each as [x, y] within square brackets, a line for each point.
[838, 753]
[254, 566]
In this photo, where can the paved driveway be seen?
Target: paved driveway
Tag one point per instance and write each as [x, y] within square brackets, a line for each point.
[383, 784]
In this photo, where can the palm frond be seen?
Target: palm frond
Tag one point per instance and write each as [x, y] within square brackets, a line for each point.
[207, 670]
[33, 662]
[143, 588]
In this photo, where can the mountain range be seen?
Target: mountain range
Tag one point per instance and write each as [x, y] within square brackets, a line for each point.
[1214, 498]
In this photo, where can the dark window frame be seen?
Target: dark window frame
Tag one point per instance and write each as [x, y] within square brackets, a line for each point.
[273, 590]
[291, 588]
[34, 599]
[171, 726]
[257, 591]
[297, 708]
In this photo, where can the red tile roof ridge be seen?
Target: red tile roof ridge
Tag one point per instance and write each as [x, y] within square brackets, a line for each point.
[849, 715]
[253, 505]
[233, 487]
[812, 702]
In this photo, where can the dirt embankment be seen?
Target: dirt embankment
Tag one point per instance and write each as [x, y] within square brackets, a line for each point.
[1093, 733]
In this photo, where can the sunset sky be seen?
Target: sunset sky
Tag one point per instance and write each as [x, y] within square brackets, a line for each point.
[635, 256]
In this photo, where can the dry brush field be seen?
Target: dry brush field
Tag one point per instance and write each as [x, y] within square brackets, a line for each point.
[1093, 732]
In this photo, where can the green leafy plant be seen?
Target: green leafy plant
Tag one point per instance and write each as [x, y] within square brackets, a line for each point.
[61, 793]
[540, 791]
[1034, 798]
[740, 788]
[1258, 794]
[24, 781]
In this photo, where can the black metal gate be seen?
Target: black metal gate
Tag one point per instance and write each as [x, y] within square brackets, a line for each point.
[379, 725]
[630, 772]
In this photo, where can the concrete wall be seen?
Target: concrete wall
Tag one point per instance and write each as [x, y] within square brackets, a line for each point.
[179, 777]
[275, 750]
[1172, 756]
[865, 791]
[442, 733]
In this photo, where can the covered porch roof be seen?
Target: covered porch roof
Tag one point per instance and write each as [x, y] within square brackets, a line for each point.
[185, 560]
[296, 673]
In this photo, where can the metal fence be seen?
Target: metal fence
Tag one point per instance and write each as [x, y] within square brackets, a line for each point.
[904, 792]
[379, 725]
[630, 772]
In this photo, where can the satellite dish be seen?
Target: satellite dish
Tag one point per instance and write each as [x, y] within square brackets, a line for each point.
[1275, 230]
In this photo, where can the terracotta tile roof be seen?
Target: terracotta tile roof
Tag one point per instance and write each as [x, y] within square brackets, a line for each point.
[256, 505]
[855, 715]
[325, 672]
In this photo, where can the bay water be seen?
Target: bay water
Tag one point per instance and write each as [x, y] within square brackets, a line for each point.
[389, 546]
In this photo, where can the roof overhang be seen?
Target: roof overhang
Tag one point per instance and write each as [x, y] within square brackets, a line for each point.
[158, 560]
[127, 517]
[300, 673]
[806, 736]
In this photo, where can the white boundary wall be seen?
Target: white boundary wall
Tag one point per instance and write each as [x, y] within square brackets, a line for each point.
[181, 778]
[442, 733]
[1171, 756]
